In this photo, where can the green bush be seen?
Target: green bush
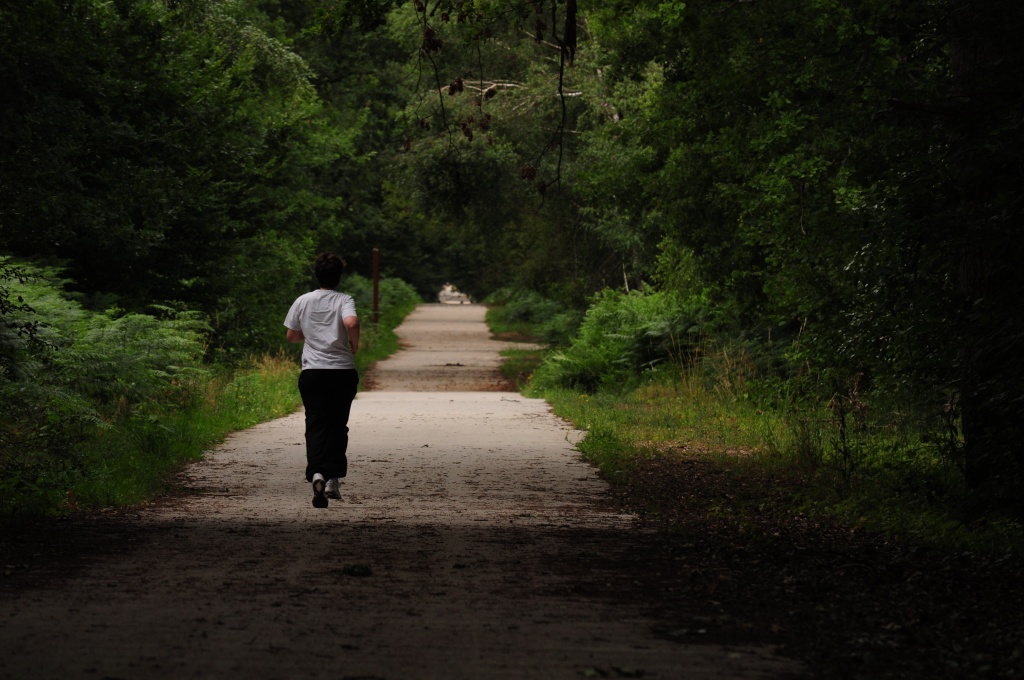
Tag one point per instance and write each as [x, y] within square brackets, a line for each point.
[76, 374]
[97, 408]
[559, 330]
[128, 462]
[530, 313]
[524, 306]
[622, 336]
[395, 298]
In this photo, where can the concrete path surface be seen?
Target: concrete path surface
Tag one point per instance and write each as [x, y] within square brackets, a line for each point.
[471, 542]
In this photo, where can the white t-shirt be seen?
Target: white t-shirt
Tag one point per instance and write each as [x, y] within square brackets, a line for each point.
[319, 314]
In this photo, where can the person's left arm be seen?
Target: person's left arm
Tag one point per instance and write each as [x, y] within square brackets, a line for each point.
[292, 321]
[352, 327]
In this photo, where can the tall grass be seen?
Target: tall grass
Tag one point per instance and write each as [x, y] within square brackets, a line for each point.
[130, 461]
[97, 408]
[865, 459]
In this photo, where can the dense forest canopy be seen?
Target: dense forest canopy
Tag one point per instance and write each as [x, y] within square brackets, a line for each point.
[836, 183]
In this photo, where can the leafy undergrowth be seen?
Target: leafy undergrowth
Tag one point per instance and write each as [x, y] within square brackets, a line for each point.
[104, 407]
[849, 602]
[874, 565]
[753, 547]
[518, 364]
[509, 331]
[749, 550]
[130, 462]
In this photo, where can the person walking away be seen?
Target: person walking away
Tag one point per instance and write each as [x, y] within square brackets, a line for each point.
[325, 321]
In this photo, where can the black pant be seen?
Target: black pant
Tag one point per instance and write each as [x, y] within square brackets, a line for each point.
[327, 396]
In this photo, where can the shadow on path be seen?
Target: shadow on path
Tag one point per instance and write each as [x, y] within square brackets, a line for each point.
[471, 542]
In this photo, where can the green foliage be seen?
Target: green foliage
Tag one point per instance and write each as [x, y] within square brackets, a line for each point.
[532, 315]
[96, 409]
[624, 335]
[79, 375]
[896, 483]
[814, 159]
[396, 299]
[18, 329]
[523, 306]
[518, 365]
[164, 153]
[866, 457]
[128, 462]
[489, 131]
[833, 187]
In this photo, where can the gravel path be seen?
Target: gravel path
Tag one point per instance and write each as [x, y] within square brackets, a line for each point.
[471, 542]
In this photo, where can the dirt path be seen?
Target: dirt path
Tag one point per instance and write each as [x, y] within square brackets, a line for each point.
[471, 542]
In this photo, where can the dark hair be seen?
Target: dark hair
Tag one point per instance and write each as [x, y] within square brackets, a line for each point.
[327, 269]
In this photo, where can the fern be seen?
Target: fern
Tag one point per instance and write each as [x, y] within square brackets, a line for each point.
[72, 373]
[624, 335]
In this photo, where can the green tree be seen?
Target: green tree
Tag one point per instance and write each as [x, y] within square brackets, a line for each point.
[165, 153]
[847, 171]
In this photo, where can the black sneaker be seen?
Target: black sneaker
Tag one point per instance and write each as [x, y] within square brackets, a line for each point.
[319, 497]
